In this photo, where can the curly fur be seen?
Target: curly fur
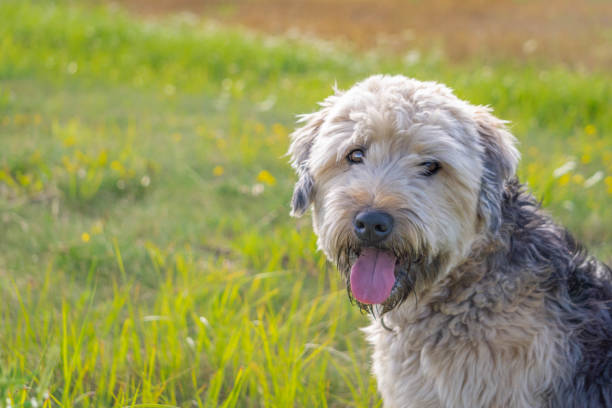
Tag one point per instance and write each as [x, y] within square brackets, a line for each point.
[494, 305]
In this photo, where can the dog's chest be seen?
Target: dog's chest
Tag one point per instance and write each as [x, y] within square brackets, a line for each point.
[473, 353]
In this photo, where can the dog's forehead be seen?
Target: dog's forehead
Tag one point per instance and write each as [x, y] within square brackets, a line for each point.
[402, 114]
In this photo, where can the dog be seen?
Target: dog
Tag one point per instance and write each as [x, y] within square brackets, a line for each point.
[477, 298]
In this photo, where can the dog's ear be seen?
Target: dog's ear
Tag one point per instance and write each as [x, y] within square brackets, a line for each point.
[500, 158]
[299, 151]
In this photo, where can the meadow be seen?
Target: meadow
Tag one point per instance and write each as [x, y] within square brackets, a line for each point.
[147, 258]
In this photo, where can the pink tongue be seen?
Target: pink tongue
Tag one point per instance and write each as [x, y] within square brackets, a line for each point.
[373, 276]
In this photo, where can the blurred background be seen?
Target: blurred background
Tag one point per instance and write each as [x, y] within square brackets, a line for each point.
[577, 33]
[147, 258]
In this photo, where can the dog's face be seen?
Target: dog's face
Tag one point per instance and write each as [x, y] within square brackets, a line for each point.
[403, 178]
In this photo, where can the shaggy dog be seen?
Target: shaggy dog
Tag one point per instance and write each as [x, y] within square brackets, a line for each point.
[477, 298]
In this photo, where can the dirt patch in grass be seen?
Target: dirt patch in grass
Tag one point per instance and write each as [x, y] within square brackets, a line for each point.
[578, 33]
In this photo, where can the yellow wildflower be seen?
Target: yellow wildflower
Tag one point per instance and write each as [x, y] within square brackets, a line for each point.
[24, 179]
[218, 171]
[608, 181]
[117, 166]
[532, 168]
[259, 127]
[68, 164]
[590, 129]
[265, 177]
[81, 157]
[102, 157]
[564, 179]
[578, 178]
[69, 141]
[20, 119]
[35, 157]
[7, 178]
[85, 237]
[586, 158]
[279, 130]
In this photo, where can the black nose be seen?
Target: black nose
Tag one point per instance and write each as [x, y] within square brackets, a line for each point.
[373, 226]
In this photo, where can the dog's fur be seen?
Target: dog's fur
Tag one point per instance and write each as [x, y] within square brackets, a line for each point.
[493, 304]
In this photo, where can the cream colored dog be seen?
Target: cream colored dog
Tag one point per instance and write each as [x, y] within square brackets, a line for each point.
[477, 298]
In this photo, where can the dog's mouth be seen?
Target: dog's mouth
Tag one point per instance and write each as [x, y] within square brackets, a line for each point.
[373, 275]
[378, 276]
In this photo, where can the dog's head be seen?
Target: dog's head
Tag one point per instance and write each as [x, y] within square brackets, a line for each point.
[403, 178]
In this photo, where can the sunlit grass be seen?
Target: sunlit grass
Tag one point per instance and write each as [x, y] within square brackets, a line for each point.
[146, 253]
[212, 334]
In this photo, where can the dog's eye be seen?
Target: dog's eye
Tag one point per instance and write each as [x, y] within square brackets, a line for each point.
[430, 168]
[356, 156]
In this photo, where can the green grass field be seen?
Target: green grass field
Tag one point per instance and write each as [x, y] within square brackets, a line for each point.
[147, 258]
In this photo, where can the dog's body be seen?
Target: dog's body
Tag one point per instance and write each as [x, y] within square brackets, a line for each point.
[478, 298]
[523, 323]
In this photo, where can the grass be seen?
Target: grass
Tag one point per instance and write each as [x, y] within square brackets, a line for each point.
[147, 258]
